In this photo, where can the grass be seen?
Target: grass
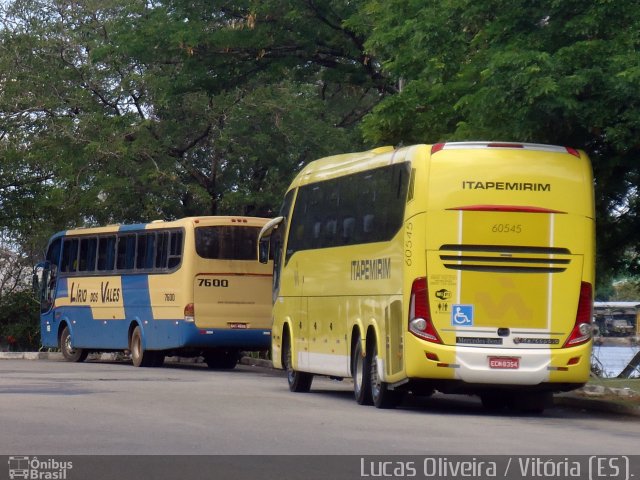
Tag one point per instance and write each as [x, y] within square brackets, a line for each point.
[630, 383]
[631, 398]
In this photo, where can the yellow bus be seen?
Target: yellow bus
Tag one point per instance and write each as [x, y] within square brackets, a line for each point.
[458, 267]
[188, 287]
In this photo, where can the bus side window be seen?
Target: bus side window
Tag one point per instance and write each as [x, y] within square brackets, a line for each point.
[299, 216]
[88, 247]
[330, 229]
[53, 253]
[106, 253]
[162, 249]
[126, 252]
[348, 230]
[151, 249]
[175, 249]
[145, 255]
[69, 255]
[367, 223]
[317, 227]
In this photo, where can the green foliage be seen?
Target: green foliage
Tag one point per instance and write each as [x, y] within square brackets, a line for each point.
[124, 111]
[19, 322]
[627, 290]
[552, 72]
[119, 111]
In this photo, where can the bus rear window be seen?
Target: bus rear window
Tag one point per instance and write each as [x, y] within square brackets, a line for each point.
[227, 243]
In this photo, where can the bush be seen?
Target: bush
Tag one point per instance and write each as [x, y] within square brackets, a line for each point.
[19, 322]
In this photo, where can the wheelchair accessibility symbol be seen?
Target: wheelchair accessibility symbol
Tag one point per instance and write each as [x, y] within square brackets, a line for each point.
[462, 316]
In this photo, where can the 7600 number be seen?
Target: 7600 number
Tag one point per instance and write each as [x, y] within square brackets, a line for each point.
[213, 282]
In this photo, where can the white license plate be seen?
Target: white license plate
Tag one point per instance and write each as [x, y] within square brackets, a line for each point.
[238, 326]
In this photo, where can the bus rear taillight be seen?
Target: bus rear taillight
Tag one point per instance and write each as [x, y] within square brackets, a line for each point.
[581, 332]
[189, 313]
[420, 323]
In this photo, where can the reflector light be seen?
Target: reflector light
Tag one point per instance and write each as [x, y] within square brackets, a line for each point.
[437, 147]
[573, 152]
[432, 356]
[189, 313]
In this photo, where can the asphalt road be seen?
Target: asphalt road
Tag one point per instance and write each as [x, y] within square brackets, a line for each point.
[110, 408]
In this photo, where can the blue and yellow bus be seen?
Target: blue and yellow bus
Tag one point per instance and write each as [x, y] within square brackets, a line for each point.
[458, 267]
[188, 287]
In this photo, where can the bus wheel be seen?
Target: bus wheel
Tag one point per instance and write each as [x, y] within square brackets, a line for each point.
[381, 395]
[139, 356]
[68, 352]
[361, 379]
[298, 381]
[221, 359]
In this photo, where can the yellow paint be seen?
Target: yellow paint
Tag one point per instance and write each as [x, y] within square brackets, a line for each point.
[508, 231]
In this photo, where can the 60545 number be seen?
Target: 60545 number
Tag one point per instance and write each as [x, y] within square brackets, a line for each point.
[506, 228]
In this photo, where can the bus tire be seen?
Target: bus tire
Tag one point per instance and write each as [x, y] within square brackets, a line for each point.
[299, 382]
[140, 357]
[68, 352]
[361, 378]
[381, 395]
[221, 359]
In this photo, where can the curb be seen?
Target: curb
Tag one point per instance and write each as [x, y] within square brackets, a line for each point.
[30, 356]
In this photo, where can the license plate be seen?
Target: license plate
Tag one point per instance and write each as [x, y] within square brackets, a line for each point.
[510, 363]
[238, 326]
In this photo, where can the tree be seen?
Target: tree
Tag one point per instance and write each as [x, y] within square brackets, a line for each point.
[18, 317]
[135, 110]
[627, 290]
[552, 72]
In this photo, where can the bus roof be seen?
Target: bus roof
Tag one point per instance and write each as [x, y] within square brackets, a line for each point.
[345, 164]
[162, 224]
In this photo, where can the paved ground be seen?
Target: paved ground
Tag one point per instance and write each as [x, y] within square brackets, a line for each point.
[598, 399]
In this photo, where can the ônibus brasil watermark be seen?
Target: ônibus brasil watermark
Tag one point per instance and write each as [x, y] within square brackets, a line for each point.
[34, 468]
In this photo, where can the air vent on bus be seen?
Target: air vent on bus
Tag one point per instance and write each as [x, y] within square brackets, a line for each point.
[505, 258]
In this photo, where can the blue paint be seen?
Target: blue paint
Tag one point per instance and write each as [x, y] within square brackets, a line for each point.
[113, 334]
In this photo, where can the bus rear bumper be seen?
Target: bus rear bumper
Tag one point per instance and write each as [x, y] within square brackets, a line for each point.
[248, 339]
[499, 367]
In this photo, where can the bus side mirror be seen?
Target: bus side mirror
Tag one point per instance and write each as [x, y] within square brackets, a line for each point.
[264, 239]
[263, 249]
[40, 278]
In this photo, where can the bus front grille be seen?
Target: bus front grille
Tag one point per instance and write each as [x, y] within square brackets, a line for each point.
[505, 258]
